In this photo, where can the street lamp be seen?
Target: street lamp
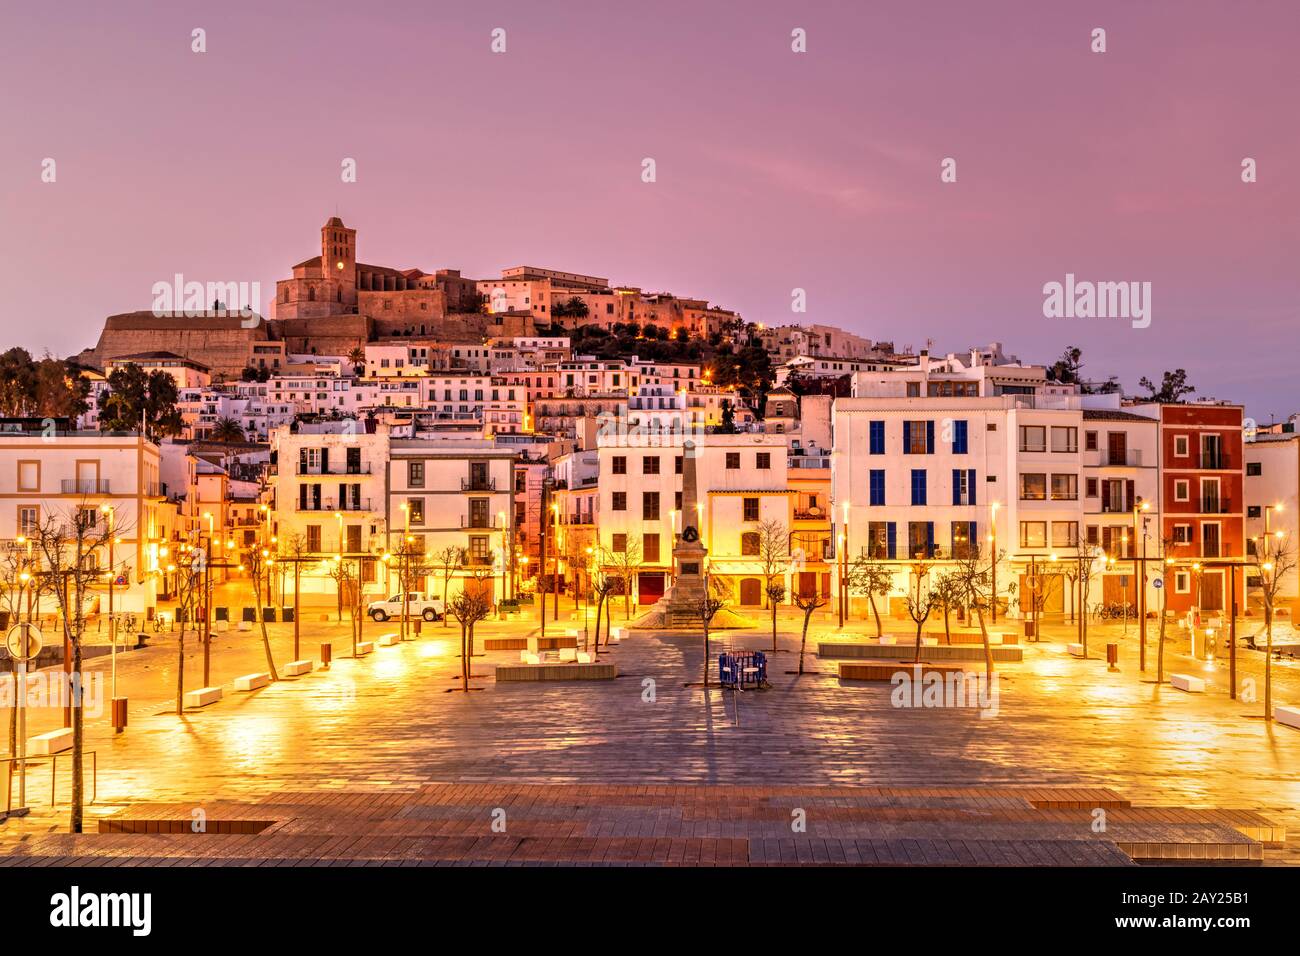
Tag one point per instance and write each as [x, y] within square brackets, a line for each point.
[844, 570]
[993, 548]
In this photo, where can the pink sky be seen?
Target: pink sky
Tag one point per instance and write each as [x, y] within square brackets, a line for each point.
[775, 170]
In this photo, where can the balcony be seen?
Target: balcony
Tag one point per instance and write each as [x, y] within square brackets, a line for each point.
[478, 484]
[1215, 506]
[1215, 461]
[329, 505]
[1130, 458]
[479, 522]
[813, 513]
[316, 471]
[85, 486]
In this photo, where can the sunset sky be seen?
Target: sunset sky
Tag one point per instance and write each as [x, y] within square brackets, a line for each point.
[775, 170]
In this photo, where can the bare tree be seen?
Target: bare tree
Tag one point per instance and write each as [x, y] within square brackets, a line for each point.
[602, 586]
[921, 599]
[189, 593]
[1084, 563]
[624, 565]
[774, 558]
[947, 593]
[341, 572]
[255, 560]
[69, 545]
[1274, 559]
[869, 575]
[23, 587]
[974, 576]
[808, 603]
[448, 561]
[293, 549]
[1166, 548]
[472, 604]
[714, 600]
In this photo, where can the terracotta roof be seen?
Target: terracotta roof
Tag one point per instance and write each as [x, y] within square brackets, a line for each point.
[1113, 415]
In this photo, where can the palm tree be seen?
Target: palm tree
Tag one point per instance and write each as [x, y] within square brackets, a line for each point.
[357, 356]
[227, 429]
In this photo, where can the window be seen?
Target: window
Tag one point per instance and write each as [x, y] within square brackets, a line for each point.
[876, 485]
[733, 460]
[677, 465]
[1090, 441]
[918, 486]
[1033, 438]
[959, 437]
[749, 544]
[619, 501]
[29, 476]
[1182, 583]
[1182, 490]
[763, 460]
[1033, 534]
[963, 486]
[750, 507]
[649, 506]
[964, 540]
[1091, 487]
[313, 538]
[920, 539]
[1065, 439]
[1094, 534]
[618, 543]
[1180, 446]
[1182, 534]
[879, 539]
[415, 508]
[650, 464]
[414, 474]
[1065, 534]
[918, 437]
[1254, 468]
[1065, 487]
[650, 548]
[619, 465]
[1253, 511]
[876, 434]
[478, 513]
[1033, 487]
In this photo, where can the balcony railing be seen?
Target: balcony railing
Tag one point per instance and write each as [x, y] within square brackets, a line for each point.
[328, 504]
[1215, 506]
[478, 484]
[479, 522]
[85, 486]
[1130, 458]
[362, 468]
[1217, 461]
[809, 514]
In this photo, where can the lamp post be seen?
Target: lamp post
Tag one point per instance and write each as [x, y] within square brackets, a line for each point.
[1141, 506]
[993, 549]
[844, 570]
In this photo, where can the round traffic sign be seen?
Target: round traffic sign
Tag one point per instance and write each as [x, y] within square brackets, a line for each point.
[1157, 583]
[23, 641]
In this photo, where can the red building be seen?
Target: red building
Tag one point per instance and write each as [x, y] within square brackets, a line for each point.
[1202, 503]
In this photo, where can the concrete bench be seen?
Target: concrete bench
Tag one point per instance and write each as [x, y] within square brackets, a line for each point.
[584, 657]
[364, 648]
[389, 640]
[245, 625]
[222, 626]
[568, 654]
[887, 639]
[885, 670]
[1076, 650]
[56, 741]
[1287, 715]
[1193, 685]
[529, 657]
[615, 634]
[297, 668]
[547, 672]
[252, 681]
[202, 697]
[929, 641]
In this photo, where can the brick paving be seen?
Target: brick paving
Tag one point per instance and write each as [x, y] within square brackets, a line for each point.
[392, 723]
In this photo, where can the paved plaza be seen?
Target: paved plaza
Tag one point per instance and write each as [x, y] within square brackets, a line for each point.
[395, 722]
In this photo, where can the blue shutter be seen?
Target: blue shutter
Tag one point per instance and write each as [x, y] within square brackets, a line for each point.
[877, 487]
[891, 538]
[956, 486]
[907, 438]
[918, 486]
[970, 536]
[877, 438]
[929, 539]
[970, 484]
[929, 437]
[959, 438]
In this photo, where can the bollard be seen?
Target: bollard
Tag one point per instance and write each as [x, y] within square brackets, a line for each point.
[419, 622]
[119, 714]
[326, 652]
[1112, 656]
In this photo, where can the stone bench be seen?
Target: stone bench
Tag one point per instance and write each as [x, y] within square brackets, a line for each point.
[585, 657]
[297, 668]
[944, 652]
[252, 681]
[56, 741]
[885, 670]
[568, 654]
[364, 648]
[530, 657]
[1287, 715]
[1076, 650]
[929, 641]
[222, 626]
[616, 634]
[548, 643]
[887, 639]
[1193, 685]
[202, 697]
[548, 672]
[245, 625]
[389, 640]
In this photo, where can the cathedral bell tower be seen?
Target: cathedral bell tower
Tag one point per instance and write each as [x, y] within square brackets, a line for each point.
[338, 259]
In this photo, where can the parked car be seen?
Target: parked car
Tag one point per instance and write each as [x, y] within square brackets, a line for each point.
[417, 605]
